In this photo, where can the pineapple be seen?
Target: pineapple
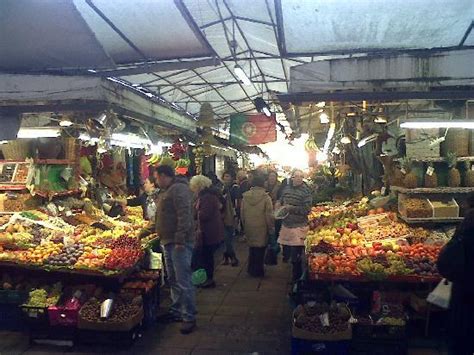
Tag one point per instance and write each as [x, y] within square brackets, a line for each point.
[431, 180]
[454, 177]
[398, 177]
[469, 176]
[411, 180]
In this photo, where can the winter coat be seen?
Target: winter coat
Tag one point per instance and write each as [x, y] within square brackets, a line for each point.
[208, 214]
[273, 191]
[257, 216]
[147, 203]
[300, 200]
[174, 222]
[462, 292]
[230, 197]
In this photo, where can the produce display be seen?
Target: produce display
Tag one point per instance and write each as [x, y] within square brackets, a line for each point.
[33, 238]
[44, 297]
[376, 246]
[417, 208]
[322, 318]
[123, 309]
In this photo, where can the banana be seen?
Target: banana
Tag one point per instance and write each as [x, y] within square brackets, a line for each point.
[155, 158]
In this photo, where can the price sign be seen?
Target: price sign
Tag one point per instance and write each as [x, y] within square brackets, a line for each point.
[430, 171]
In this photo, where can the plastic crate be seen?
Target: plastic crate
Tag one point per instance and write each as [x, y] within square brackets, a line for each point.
[13, 296]
[35, 317]
[378, 347]
[383, 332]
[112, 339]
[11, 318]
[303, 347]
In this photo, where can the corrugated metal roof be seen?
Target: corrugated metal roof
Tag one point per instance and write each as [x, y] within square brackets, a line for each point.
[265, 37]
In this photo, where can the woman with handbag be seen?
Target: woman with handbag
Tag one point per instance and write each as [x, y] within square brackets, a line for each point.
[456, 264]
[257, 219]
[210, 226]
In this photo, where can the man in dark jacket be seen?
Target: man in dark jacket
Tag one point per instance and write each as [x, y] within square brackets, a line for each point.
[175, 226]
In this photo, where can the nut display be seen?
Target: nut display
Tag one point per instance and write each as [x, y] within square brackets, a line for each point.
[122, 310]
[417, 208]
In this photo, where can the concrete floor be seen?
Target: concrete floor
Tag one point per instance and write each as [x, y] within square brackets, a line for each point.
[241, 315]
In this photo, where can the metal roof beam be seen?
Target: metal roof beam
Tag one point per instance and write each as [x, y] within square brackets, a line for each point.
[239, 28]
[161, 66]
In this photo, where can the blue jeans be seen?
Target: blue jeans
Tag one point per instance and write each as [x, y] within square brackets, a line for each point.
[229, 233]
[183, 293]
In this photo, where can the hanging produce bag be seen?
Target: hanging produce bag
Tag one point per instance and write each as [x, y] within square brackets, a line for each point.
[441, 295]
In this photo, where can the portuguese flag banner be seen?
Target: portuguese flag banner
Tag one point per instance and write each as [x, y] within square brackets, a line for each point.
[252, 129]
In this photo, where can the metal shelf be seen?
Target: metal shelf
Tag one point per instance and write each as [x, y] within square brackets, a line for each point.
[438, 159]
[436, 190]
[431, 220]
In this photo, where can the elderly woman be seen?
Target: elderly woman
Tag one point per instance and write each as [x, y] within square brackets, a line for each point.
[210, 226]
[296, 199]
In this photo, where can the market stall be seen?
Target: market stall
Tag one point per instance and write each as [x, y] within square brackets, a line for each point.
[73, 265]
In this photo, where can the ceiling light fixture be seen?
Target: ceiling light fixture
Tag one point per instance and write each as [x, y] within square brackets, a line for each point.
[38, 133]
[65, 122]
[324, 118]
[438, 124]
[262, 106]
[380, 119]
[239, 72]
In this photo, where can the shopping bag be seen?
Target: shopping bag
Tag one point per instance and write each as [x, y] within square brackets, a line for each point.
[441, 295]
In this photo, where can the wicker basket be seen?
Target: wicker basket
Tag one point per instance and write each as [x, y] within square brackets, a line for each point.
[70, 149]
[16, 150]
[457, 141]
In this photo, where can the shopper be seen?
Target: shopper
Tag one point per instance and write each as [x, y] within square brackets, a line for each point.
[272, 186]
[210, 225]
[216, 183]
[230, 195]
[296, 198]
[174, 224]
[258, 223]
[456, 263]
[243, 181]
[285, 248]
[146, 200]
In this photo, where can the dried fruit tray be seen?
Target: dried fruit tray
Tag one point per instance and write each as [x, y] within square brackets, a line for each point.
[109, 326]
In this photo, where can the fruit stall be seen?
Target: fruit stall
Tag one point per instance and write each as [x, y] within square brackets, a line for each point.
[58, 271]
[375, 264]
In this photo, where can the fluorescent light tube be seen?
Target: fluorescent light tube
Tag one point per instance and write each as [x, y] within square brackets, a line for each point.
[438, 124]
[266, 111]
[65, 122]
[38, 133]
[239, 72]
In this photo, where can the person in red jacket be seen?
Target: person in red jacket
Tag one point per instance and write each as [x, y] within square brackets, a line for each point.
[210, 224]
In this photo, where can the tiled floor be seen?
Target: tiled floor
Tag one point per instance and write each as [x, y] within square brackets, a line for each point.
[241, 315]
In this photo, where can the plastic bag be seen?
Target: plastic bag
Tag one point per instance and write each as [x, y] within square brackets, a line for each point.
[441, 295]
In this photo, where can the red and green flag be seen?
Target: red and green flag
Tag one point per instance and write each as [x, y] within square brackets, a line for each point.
[252, 129]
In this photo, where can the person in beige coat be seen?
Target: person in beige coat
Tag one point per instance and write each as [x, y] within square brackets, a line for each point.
[258, 223]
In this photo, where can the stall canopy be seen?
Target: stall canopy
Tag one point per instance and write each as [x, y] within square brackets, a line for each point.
[185, 51]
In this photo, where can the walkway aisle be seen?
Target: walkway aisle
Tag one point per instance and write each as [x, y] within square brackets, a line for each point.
[242, 315]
